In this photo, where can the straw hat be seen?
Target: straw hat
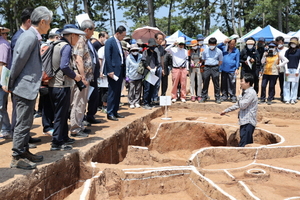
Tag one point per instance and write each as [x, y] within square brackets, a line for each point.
[194, 43]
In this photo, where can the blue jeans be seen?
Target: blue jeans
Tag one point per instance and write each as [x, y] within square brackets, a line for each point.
[4, 119]
[290, 89]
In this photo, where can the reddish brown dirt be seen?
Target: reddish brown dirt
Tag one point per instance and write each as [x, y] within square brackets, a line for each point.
[165, 150]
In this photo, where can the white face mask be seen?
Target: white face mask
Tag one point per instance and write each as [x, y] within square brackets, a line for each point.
[249, 46]
[134, 53]
[195, 47]
[271, 49]
[212, 47]
[104, 41]
[280, 46]
[200, 42]
[293, 45]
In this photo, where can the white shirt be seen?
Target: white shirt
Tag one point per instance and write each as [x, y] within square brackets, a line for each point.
[120, 48]
[179, 56]
[282, 54]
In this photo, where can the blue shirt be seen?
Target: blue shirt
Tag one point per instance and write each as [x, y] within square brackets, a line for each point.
[212, 57]
[231, 60]
[66, 55]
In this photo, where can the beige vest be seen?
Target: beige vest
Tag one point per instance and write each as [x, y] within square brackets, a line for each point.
[60, 80]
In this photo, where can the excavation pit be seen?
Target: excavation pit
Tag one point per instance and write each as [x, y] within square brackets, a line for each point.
[192, 156]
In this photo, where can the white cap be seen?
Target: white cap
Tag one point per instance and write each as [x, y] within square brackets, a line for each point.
[52, 32]
[181, 40]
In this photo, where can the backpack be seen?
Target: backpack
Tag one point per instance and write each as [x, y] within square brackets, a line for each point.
[46, 54]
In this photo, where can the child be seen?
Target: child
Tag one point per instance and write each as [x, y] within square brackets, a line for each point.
[247, 104]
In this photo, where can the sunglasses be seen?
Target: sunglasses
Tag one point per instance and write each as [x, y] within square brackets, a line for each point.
[4, 33]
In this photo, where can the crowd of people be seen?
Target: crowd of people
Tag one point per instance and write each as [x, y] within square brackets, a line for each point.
[90, 75]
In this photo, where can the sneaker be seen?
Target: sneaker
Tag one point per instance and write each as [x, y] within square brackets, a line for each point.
[183, 100]
[202, 100]
[5, 135]
[62, 147]
[69, 141]
[31, 146]
[22, 163]
[49, 133]
[287, 102]
[87, 131]
[147, 107]
[296, 101]
[32, 157]
[104, 110]
[37, 115]
[137, 105]
[269, 102]
[80, 134]
[218, 101]
[292, 102]
[173, 100]
[233, 100]
[199, 99]
[193, 99]
[86, 123]
[132, 106]
[261, 101]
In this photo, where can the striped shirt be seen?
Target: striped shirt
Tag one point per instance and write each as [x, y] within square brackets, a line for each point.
[247, 104]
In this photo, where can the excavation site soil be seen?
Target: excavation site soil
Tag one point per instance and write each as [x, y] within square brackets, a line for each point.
[192, 155]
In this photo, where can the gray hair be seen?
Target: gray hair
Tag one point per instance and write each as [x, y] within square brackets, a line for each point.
[87, 24]
[40, 13]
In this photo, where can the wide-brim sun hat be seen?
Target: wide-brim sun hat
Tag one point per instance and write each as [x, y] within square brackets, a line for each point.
[134, 47]
[194, 43]
[72, 30]
[4, 29]
[294, 41]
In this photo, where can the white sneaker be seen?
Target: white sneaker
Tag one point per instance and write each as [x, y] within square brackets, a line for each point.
[137, 105]
[183, 100]
[292, 102]
[49, 133]
[173, 100]
[131, 106]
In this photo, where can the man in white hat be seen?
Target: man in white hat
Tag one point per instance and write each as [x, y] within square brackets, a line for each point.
[60, 87]
[180, 68]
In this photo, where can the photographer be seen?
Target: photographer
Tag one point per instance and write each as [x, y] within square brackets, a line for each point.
[270, 71]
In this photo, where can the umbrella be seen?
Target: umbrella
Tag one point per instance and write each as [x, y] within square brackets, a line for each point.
[145, 33]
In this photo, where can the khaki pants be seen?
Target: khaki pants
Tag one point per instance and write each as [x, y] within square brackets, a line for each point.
[79, 100]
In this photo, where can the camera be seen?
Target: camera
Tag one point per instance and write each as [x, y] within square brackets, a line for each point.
[80, 85]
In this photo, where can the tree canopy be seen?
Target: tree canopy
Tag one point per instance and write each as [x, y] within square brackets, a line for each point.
[190, 16]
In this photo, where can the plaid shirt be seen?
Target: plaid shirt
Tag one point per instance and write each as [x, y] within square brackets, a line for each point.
[247, 104]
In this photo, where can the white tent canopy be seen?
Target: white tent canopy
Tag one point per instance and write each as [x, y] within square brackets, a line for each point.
[218, 35]
[296, 34]
[173, 38]
[249, 34]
